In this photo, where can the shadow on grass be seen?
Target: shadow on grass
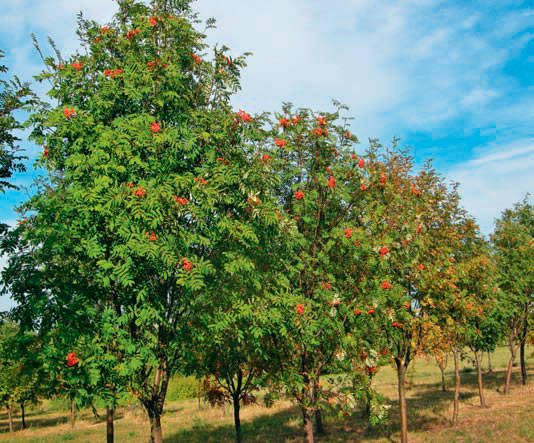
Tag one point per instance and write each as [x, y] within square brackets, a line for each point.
[267, 428]
[491, 380]
[172, 409]
[41, 420]
[428, 408]
[278, 428]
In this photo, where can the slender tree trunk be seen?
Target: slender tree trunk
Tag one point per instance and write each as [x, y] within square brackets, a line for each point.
[72, 412]
[22, 415]
[489, 362]
[456, 388]
[522, 343]
[154, 405]
[237, 419]
[199, 391]
[480, 386]
[156, 434]
[509, 372]
[10, 417]
[443, 386]
[401, 379]
[367, 410]
[308, 426]
[522, 360]
[319, 426]
[110, 431]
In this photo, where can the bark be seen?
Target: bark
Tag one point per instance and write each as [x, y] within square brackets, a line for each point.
[456, 388]
[110, 435]
[480, 386]
[72, 412]
[308, 426]
[319, 426]
[443, 386]
[10, 417]
[522, 342]
[154, 404]
[489, 362]
[22, 415]
[156, 434]
[237, 419]
[401, 377]
[523, 364]
[367, 410]
[509, 371]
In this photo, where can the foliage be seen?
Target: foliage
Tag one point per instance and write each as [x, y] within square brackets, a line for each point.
[14, 96]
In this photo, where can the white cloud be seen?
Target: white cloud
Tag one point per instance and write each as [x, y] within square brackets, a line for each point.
[514, 150]
[495, 181]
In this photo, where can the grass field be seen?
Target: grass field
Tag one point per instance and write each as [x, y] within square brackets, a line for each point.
[508, 418]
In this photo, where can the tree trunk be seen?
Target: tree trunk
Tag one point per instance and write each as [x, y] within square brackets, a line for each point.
[367, 410]
[401, 379]
[237, 419]
[522, 342]
[509, 372]
[480, 387]
[308, 426]
[522, 360]
[110, 435]
[456, 388]
[443, 386]
[22, 415]
[154, 404]
[319, 427]
[10, 417]
[156, 434]
[72, 412]
[489, 362]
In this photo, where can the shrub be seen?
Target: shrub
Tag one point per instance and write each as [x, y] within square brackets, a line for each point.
[183, 387]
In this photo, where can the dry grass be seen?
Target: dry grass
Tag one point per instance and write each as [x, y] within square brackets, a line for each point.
[508, 418]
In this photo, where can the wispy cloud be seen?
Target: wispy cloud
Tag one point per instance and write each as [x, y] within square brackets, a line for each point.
[493, 182]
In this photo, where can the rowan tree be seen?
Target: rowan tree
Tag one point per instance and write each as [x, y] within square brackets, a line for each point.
[473, 311]
[315, 296]
[229, 335]
[150, 184]
[451, 283]
[404, 212]
[22, 378]
[513, 241]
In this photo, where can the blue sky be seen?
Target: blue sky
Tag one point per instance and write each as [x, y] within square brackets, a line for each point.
[453, 79]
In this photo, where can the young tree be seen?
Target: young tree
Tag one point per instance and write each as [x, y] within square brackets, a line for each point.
[514, 247]
[22, 379]
[477, 318]
[455, 292]
[315, 295]
[403, 222]
[229, 335]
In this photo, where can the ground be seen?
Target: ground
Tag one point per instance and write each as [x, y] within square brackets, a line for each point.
[508, 419]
